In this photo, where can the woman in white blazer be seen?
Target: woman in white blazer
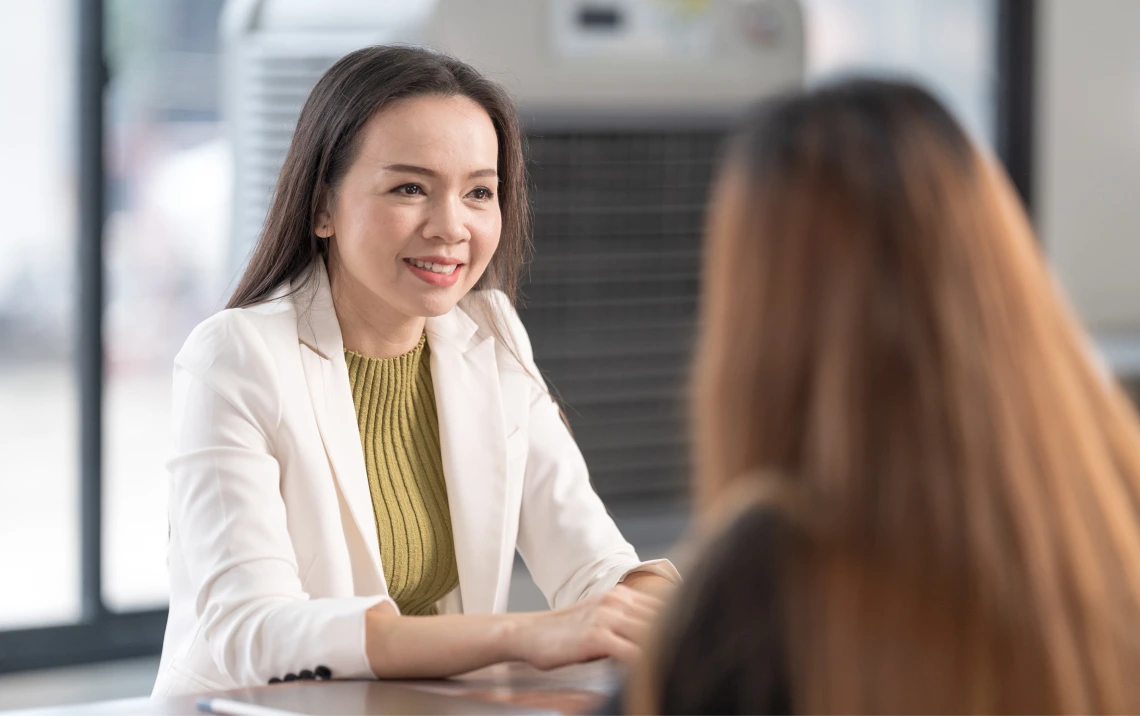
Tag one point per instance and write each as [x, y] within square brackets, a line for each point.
[399, 224]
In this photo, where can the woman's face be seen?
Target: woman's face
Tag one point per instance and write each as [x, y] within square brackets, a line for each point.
[416, 219]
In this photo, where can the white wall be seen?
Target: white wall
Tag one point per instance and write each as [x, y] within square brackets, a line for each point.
[1087, 176]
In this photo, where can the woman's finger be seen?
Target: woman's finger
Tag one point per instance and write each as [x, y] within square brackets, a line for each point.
[636, 614]
[648, 611]
[645, 610]
[631, 628]
[619, 647]
[641, 599]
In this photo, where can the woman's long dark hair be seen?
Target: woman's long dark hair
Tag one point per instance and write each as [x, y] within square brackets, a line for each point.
[879, 328]
[327, 140]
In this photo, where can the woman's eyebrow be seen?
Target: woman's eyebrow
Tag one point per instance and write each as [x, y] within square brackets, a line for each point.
[424, 171]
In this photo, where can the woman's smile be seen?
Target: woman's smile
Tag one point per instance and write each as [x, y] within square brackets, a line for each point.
[435, 270]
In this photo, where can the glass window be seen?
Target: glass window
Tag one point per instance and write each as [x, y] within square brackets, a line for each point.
[165, 242]
[169, 188]
[948, 45]
[39, 397]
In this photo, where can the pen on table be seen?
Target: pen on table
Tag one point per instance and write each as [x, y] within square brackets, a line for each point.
[226, 707]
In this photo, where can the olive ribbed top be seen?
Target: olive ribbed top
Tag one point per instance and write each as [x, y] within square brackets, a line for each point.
[399, 429]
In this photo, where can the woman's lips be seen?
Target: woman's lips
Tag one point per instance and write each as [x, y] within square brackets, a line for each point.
[435, 278]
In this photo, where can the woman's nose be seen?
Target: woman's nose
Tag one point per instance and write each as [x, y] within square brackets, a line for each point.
[448, 222]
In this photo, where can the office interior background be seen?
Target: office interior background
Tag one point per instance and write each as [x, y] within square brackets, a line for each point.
[132, 189]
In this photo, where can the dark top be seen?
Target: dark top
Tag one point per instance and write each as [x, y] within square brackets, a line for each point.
[723, 650]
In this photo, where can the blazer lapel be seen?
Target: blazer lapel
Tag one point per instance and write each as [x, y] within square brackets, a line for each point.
[326, 373]
[473, 441]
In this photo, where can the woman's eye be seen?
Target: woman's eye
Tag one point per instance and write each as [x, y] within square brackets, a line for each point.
[481, 194]
[409, 189]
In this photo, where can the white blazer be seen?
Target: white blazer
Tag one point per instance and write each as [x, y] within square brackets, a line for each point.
[273, 551]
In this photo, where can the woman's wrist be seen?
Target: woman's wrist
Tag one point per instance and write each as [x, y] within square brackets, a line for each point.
[514, 632]
[648, 583]
[432, 646]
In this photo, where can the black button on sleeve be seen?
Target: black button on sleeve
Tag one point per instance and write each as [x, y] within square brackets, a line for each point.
[275, 680]
[307, 675]
[290, 677]
[322, 673]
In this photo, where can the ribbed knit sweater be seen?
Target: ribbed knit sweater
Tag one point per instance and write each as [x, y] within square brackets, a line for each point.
[399, 430]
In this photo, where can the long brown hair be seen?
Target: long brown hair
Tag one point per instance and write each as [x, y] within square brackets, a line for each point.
[879, 328]
[326, 142]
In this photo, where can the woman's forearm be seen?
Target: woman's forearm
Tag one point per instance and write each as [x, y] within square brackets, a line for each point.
[613, 624]
[438, 646]
[649, 583]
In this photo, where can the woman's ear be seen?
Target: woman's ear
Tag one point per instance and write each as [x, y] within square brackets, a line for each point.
[324, 224]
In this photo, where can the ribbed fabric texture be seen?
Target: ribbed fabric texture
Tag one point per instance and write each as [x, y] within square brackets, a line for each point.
[399, 429]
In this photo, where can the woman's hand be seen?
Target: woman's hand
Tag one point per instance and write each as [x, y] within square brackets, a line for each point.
[614, 624]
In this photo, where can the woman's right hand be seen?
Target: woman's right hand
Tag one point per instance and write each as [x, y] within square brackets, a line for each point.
[614, 624]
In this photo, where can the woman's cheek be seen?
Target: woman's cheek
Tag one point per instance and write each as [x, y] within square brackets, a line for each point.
[487, 250]
[491, 234]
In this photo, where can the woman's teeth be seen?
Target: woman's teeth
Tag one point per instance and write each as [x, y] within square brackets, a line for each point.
[446, 270]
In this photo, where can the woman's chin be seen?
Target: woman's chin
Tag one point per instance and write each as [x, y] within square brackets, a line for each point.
[437, 303]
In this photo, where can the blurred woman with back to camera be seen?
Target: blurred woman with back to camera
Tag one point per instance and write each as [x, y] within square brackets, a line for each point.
[935, 491]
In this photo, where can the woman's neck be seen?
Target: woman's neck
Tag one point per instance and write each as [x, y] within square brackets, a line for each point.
[370, 326]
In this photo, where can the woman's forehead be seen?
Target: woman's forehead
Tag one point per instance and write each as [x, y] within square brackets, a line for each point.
[441, 134]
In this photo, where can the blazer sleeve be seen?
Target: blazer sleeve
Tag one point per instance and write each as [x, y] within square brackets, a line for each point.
[226, 506]
[567, 539]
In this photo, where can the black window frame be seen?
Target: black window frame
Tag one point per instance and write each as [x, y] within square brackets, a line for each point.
[102, 634]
